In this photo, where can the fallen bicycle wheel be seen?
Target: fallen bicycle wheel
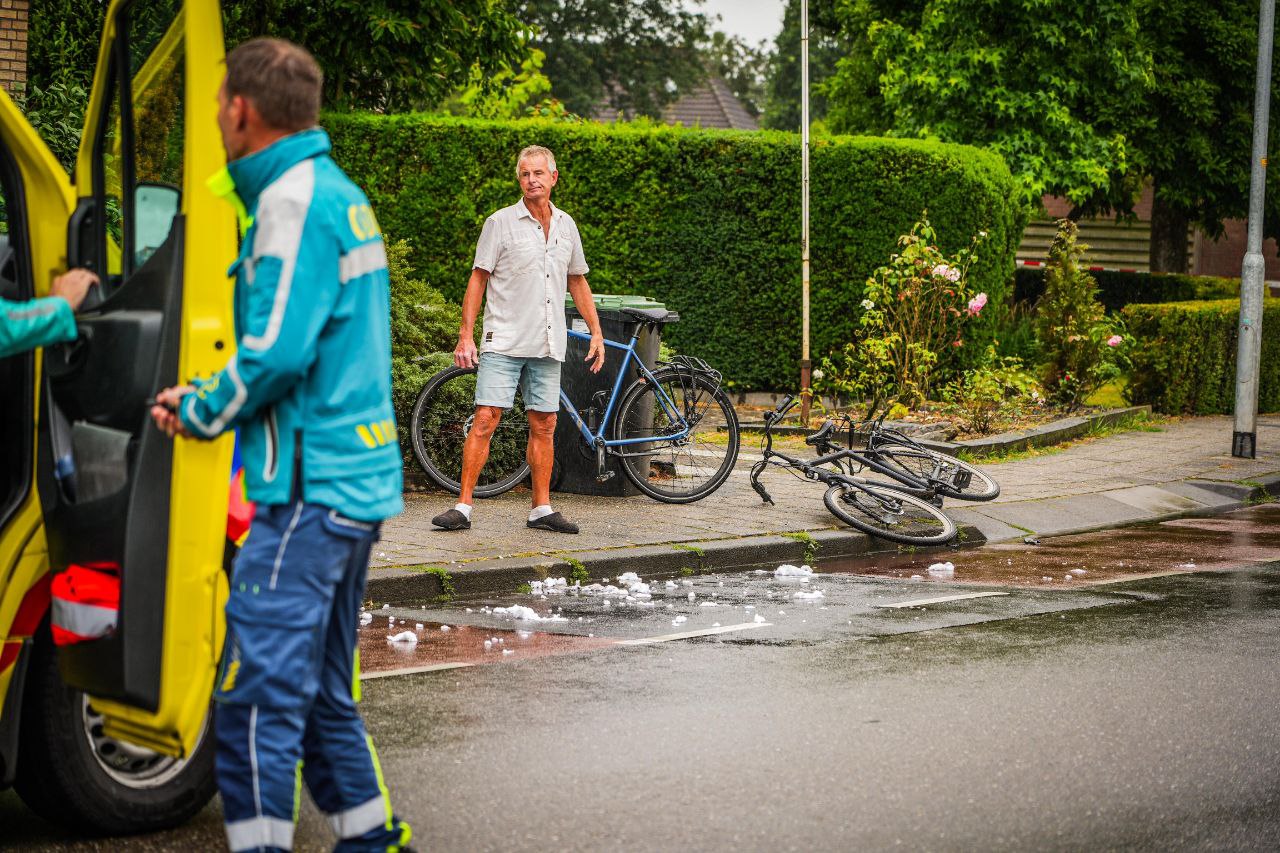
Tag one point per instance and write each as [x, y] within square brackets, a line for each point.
[439, 426]
[889, 514]
[948, 475]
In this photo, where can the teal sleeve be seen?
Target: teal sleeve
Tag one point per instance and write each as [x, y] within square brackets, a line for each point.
[36, 323]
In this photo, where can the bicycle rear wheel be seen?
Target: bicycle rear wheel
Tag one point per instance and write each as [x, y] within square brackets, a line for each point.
[948, 475]
[441, 420]
[677, 470]
[889, 514]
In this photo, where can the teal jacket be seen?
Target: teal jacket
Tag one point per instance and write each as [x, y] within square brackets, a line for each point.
[36, 323]
[310, 385]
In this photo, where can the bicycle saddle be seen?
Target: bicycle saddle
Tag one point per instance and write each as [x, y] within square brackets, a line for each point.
[823, 435]
[651, 315]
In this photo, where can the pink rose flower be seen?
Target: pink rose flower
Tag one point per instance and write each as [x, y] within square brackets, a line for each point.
[977, 303]
[1114, 341]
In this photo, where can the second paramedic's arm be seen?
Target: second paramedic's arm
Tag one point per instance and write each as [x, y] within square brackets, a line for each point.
[294, 288]
[40, 322]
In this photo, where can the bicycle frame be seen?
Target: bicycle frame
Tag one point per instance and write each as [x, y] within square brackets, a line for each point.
[597, 438]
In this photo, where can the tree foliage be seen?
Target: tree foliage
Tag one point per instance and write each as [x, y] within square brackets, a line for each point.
[782, 101]
[743, 66]
[633, 57]
[1052, 87]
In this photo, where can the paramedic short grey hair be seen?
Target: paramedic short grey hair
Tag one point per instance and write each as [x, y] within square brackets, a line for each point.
[535, 151]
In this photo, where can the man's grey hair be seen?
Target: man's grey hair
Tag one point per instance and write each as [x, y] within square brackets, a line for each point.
[281, 79]
[535, 151]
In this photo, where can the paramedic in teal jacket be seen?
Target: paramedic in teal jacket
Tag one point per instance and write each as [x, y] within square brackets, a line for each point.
[309, 390]
[41, 322]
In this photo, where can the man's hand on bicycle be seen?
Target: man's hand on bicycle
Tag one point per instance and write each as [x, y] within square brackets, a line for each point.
[595, 353]
[464, 354]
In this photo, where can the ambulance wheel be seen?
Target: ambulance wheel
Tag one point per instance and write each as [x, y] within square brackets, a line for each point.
[69, 772]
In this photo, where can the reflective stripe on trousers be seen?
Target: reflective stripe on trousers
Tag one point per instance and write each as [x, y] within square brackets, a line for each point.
[358, 820]
[260, 832]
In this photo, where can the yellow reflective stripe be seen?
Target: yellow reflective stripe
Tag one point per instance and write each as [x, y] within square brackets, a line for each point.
[377, 431]
[382, 784]
[297, 791]
[366, 436]
[389, 427]
[355, 677]
[221, 184]
[406, 833]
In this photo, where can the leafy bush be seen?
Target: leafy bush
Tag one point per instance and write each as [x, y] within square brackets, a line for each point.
[1117, 289]
[707, 222]
[913, 312]
[424, 331]
[1080, 345]
[1184, 356]
[1000, 389]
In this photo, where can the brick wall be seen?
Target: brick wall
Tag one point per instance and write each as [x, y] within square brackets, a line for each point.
[13, 44]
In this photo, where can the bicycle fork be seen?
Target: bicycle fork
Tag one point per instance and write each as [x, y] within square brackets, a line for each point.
[756, 470]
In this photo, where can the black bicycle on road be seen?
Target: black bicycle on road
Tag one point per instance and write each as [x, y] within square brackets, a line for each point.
[902, 509]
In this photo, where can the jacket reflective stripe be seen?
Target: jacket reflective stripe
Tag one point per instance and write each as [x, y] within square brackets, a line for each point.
[271, 462]
[356, 821]
[257, 832]
[280, 236]
[219, 424]
[362, 260]
[84, 620]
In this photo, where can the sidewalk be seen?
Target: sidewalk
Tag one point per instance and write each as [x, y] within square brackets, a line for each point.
[1121, 479]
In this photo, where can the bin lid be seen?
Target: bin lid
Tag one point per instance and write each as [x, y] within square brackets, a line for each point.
[614, 302]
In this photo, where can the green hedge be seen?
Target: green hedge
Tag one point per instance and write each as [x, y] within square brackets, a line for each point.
[706, 221]
[1184, 356]
[1118, 289]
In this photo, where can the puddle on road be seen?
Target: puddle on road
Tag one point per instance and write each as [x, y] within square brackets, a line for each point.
[1243, 537]
[460, 644]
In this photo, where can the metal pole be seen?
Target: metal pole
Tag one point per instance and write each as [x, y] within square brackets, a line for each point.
[1253, 271]
[806, 365]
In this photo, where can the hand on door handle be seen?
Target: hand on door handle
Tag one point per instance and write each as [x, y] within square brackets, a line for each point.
[74, 285]
[164, 410]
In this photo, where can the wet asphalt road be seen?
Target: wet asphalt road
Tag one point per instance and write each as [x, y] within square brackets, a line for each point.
[1136, 715]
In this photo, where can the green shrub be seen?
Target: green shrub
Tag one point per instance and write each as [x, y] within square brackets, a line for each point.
[996, 391]
[424, 331]
[912, 325]
[1184, 356]
[1080, 345]
[1117, 289]
[706, 221]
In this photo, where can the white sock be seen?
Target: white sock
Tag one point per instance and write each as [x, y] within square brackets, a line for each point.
[465, 509]
[539, 511]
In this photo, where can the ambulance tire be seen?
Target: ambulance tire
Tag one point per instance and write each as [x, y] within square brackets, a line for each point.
[61, 778]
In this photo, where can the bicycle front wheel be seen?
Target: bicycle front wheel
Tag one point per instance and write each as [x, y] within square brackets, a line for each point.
[948, 475]
[889, 514]
[441, 421]
[683, 433]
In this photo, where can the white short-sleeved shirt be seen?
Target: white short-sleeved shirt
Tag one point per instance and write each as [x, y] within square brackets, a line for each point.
[528, 277]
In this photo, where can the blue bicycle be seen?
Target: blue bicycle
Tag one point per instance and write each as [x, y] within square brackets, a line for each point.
[673, 429]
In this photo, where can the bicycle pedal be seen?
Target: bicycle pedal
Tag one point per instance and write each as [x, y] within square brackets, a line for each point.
[605, 476]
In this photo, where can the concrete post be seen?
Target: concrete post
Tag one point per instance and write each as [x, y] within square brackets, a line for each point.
[1244, 439]
[806, 364]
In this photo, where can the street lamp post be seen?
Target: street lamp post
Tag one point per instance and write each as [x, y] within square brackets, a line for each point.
[806, 365]
[1253, 271]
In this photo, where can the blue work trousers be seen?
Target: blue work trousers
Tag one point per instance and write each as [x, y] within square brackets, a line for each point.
[288, 685]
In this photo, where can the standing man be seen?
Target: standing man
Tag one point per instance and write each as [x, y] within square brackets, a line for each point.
[310, 391]
[50, 320]
[527, 255]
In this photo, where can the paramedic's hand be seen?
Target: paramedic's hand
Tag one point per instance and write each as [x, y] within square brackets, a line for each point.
[464, 354]
[165, 411]
[73, 286]
[595, 353]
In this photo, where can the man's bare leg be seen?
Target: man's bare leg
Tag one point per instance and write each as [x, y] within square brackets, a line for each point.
[475, 451]
[541, 455]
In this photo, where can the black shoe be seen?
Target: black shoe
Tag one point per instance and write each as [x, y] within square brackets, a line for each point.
[452, 520]
[555, 522]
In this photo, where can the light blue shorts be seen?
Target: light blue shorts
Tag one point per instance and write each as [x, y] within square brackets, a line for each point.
[537, 378]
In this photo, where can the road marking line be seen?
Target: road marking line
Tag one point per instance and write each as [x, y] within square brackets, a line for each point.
[687, 635]
[411, 670]
[920, 602]
[1141, 577]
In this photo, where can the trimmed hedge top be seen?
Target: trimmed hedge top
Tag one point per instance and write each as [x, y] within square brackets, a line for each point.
[707, 222]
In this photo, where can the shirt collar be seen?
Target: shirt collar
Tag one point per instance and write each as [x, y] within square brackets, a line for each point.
[254, 173]
[523, 211]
